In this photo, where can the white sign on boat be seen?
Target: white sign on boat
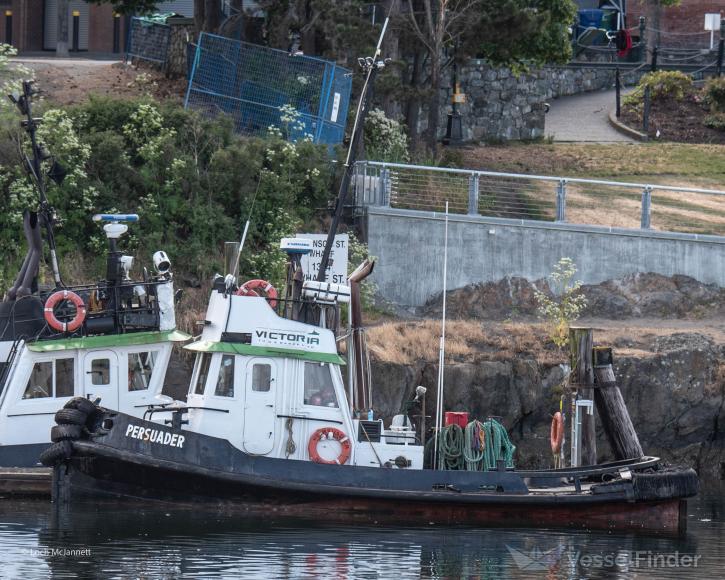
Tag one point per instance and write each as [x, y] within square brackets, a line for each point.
[298, 339]
[337, 270]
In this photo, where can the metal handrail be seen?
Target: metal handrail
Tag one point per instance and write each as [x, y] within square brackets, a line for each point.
[551, 178]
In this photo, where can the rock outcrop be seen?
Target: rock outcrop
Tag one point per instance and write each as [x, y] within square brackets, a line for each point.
[634, 296]
[674, 393]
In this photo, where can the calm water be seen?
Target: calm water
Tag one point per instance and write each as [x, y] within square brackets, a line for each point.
[127, 541]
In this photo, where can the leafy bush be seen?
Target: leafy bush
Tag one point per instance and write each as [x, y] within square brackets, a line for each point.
[715, 121]
[385, 139]
[192, 180]
[715, 94]
[566, 304]
[663, 85]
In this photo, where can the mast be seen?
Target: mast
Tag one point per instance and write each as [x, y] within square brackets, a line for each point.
[441, 350]
[371, 66]
[24, 103]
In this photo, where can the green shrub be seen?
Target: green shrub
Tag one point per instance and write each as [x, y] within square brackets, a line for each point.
[716, 121]
[662, 85]
[715, 94]
[385, 139]
[192, 180]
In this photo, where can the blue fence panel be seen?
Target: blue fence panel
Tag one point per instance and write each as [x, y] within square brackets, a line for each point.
[255, 85]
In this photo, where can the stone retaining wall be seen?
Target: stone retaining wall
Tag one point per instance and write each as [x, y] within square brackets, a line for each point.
[501, 105]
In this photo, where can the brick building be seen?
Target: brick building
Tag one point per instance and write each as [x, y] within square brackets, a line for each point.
[31, 25]
[689, 16]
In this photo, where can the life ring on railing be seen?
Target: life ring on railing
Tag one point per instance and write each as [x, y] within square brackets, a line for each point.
[251, 287]
[556, 435]
[53, 301]
[329, 433]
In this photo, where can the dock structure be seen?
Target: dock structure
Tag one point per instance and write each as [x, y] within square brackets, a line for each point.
[25, 482]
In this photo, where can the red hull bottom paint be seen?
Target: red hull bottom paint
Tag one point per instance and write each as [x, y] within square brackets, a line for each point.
[667, 516]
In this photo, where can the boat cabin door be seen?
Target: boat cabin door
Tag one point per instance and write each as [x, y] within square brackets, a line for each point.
[260, 416]
[100, 377]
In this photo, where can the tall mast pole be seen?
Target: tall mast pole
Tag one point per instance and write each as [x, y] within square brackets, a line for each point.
[441, 351]
[371, 66]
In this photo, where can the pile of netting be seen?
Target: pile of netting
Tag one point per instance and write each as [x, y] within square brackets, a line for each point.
[478, 447]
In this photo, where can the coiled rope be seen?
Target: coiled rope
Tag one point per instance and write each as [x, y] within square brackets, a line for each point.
[477, 448]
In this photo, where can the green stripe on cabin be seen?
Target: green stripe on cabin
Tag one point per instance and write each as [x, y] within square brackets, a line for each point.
[109, 341]
[248, 349]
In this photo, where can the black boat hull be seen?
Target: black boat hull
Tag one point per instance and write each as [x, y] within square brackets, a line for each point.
[203, 468]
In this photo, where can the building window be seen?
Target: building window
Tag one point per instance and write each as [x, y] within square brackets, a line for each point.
[140, 370]
[49, 377]
[101, 372]
[225, 381]
[204, 362]
[319, 388]
[262, 378]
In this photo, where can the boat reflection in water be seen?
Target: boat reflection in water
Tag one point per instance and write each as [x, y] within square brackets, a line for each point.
[155, 541]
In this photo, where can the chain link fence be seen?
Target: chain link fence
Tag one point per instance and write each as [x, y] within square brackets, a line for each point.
[260, 87]
[540, 198]
[148, 40]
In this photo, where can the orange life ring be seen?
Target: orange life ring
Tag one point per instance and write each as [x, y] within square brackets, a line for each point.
[556, 436]
[329, 433]
[53, 301]
[250, 288]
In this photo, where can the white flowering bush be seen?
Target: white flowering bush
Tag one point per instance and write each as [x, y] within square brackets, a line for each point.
[566, 303]
[293, 127]
[385, 139]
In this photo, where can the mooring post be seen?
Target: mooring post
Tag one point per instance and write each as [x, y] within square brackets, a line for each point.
[646, 208]
[654, 59]
[581, 343]
[473, 194]
[561, 201]
[720, 53]
[617, 423]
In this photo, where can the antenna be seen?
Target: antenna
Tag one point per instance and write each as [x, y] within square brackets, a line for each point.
[371, 65]
[441, 350]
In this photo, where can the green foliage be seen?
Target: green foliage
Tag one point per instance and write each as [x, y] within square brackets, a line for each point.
[715, 93]
[663, 85]
[357, 253]
[566, 303]
[385, 139]
[521, 33]
[715, 121]
[193, 182]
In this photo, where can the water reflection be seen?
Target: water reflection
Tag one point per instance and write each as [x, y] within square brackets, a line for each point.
[129, 541]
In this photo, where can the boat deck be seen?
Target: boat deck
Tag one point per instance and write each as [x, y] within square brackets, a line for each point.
[25, 481]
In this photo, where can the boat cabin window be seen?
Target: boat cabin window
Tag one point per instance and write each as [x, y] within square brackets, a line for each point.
[48, 377]
[140, 369]
[204, 362]
[225, 381]
[101, 371]
[261, 377]
[319, 388]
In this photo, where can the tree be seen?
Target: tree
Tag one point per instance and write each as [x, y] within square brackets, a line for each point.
[515, 33]
[61, 47]
[436, 24]
[654, 20]
[129, 6]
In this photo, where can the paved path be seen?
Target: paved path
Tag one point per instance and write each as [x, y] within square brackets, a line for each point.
[583, 118]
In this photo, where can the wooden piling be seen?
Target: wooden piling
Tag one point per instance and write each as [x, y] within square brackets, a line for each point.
[612, 410]
[581, 343]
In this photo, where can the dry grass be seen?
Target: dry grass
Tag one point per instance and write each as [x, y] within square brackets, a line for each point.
[405, 342]
[466, 341]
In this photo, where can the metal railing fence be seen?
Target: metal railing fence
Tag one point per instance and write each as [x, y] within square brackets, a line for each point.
[540, 198]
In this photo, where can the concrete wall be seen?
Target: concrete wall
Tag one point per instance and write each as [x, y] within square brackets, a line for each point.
[409, 247]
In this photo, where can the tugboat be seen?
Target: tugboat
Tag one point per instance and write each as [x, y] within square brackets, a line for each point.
[110, 341]
[269, 424]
